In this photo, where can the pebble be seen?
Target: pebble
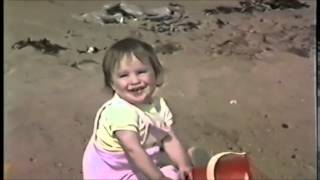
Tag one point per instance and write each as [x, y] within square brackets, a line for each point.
[285, 126]
[58, 164]
[32, 159]
[91, 49]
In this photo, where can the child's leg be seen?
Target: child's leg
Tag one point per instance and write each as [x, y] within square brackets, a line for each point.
[169, 171]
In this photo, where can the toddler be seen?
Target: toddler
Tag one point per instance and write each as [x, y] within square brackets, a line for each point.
[134, 128]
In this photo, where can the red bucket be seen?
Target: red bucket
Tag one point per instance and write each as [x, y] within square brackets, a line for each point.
[199, 173]
[224, 166]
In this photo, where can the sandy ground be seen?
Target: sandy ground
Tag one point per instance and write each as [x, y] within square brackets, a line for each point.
[50, 105]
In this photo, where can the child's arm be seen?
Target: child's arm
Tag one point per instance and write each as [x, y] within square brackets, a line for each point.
[129, 140]
[178, 154]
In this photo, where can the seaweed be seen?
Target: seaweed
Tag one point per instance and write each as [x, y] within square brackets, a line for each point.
[43, 45]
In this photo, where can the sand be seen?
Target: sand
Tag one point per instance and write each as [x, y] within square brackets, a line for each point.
[248, 85]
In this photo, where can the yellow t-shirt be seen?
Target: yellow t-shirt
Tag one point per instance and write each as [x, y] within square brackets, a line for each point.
[117, 114]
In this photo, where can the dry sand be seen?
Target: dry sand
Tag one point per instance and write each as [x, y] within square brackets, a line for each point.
[50, 105]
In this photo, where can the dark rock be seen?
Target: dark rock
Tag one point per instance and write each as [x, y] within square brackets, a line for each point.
[118, 9]
[249, 6]
[220, 23]
[225, 9]
[210, 11]
[303, 52]
[284, 125]
[286, 4]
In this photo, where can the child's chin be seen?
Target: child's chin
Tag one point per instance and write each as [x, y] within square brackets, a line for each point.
[137, 100]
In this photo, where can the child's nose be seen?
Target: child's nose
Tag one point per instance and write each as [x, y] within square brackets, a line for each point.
[134, 79]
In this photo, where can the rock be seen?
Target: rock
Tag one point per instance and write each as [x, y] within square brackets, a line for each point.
[284, 125]
[220, 23]
[32, 159]
[249, 6]
[132, 9]
[58, 164]
[303, 52]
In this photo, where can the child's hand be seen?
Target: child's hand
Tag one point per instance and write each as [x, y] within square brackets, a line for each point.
[186, 173]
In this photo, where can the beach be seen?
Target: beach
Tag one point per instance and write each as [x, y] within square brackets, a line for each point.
[235, 81]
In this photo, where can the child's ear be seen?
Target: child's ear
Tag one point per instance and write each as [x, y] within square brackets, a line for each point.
[112, 86]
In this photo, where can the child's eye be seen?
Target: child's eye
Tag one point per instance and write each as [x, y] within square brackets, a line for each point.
[142, 71]
[123, 75]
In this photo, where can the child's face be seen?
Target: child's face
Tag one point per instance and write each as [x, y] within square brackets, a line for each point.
[133, 80]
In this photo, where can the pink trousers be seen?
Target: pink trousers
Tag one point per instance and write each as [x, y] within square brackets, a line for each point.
[98, 165]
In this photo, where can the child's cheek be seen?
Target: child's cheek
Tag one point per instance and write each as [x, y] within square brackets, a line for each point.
[122, 83]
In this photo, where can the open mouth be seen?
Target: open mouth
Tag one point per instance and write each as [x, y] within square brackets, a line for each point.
[137, 89]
